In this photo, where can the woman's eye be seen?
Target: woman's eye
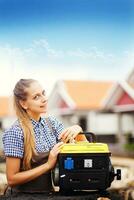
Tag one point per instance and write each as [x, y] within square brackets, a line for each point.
[36, 97]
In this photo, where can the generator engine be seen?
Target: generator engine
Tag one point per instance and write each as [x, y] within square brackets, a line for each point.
[84, 166]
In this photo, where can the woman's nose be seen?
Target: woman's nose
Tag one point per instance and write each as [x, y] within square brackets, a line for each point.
[44, 99]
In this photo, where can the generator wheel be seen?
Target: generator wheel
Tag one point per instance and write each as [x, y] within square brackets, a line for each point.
[55, 176]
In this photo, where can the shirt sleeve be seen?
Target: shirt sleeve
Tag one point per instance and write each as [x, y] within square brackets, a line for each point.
[13, 143]
[57, 126]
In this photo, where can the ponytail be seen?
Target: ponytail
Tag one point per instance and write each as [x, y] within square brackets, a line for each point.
[25, 122]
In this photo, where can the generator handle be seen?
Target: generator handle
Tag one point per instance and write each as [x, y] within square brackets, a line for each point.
[118, 174]
[91, 137]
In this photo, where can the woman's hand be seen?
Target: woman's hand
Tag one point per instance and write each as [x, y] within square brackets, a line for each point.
[53, 155]
[70, 133]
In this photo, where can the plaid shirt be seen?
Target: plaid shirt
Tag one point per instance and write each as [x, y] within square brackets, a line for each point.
[46, 136]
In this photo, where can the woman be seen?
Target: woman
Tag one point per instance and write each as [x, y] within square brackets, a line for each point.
[32, 144]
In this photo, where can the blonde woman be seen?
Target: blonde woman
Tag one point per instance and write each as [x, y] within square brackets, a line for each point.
[32, 144]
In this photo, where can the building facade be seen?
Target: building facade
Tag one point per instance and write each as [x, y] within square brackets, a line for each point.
[105, 108]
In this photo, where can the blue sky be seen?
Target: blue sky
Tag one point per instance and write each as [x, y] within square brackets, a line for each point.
[77, 39]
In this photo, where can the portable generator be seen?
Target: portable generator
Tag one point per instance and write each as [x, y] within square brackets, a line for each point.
[84, 166]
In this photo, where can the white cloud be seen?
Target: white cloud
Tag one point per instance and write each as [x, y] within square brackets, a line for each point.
[16, 63]
[43, 45]
[93, 53]
[38, 60]
[40, 43]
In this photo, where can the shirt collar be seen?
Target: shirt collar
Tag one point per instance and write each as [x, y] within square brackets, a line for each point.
[41, 121]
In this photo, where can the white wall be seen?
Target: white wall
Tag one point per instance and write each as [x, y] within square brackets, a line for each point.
[103, 123]
[128, 123]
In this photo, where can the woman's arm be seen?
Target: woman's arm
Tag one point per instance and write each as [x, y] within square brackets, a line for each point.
[15, 177]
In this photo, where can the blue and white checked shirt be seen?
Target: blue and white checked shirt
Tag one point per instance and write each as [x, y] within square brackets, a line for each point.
[45, 137]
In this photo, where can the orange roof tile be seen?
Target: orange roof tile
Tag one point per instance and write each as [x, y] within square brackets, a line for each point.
[87, 94]
[3, 106]
[6, 107]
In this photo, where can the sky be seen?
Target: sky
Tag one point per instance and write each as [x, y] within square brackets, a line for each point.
[65, 39]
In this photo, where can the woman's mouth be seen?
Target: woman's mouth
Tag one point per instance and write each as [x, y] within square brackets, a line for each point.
[42, 106]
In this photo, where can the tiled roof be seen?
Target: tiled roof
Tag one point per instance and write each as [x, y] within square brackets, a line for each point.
[4, 101]
[87, 94]
[6, 107]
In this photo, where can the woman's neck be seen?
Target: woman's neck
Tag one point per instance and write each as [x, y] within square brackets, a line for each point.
[34, 116]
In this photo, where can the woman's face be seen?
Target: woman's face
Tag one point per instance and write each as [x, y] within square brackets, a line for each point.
[36, 102]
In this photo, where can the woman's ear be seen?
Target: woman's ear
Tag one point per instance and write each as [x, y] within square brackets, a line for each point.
[23, 104]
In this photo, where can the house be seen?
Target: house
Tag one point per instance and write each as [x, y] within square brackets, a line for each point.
[81, 102]
[121, 102]
[105, 108]
[121, 98]
[7, 114]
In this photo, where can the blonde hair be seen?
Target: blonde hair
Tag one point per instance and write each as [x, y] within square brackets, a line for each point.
[20, 93]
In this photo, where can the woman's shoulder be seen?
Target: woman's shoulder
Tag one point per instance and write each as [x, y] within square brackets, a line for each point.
[15, 129]
[13, 141]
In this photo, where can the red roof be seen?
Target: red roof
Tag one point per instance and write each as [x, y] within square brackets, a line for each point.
[125, 99]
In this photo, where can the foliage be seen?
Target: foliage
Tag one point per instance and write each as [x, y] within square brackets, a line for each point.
[129, 146]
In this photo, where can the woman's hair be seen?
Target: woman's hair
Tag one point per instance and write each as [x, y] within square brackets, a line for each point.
[20, 93]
